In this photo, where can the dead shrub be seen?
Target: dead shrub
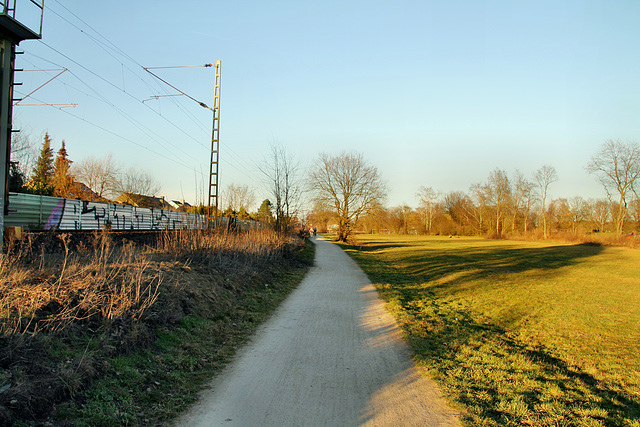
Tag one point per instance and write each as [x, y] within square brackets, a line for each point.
[226, 250]
[59, 289]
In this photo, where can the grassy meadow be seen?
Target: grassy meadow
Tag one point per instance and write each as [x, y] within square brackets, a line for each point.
[517, 333]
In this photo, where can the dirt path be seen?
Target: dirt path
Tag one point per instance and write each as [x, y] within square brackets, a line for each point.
[330, 356]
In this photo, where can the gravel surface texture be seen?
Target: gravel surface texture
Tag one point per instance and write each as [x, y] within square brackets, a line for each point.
[330, 356]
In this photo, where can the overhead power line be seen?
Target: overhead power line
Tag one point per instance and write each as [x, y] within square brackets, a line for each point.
[113, 51]
[49, 105]
[202, 104]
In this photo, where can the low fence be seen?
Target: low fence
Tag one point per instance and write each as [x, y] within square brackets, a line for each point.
[36, 212]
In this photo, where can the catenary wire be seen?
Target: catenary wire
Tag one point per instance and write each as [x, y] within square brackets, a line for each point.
[115, 48]
[123, 137]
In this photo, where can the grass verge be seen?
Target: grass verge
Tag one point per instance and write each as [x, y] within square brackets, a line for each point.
[517, 333]
[146, 363]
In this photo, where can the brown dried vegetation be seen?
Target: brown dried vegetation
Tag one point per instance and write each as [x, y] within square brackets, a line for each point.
[68, 304]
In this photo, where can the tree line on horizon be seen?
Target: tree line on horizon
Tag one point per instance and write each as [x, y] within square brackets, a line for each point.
[347, 195]
[506, 204]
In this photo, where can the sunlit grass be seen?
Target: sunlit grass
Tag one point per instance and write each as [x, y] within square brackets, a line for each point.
[518, 333]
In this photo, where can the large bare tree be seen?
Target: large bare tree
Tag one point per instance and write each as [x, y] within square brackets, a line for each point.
[238, 197]
[349, 184]
[137, 181]
[281, 172]
[544, 177]
[617, 166]
[101, 175]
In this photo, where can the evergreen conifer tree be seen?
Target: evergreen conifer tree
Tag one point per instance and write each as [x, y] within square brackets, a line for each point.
[43, 171]
[264, 212]
[62, 178]
[16, 178]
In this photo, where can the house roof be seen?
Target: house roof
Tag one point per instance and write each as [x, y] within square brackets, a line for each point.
[79, 190]
[142, 201]
[179, 204]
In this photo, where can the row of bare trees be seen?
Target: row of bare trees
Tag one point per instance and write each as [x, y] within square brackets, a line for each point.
[502, 204]
[455, 213]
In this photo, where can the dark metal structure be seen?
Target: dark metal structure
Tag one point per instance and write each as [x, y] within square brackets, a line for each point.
[12, 32]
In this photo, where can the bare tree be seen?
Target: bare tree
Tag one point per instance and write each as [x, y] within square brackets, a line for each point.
[349, 184]
[578, 208]
[494, 198]
[428, 198]
[522, 191]
[544, 177]
[460, 208]
[477, 209]
[499, 191]
[599, 213]
[137, 181]
[101, 175]
[24, 152]
[280, 170]
[238, 197]
[617, 166]
[320, 215]
[634, 211]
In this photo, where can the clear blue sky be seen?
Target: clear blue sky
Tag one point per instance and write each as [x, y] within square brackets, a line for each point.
[434, 93]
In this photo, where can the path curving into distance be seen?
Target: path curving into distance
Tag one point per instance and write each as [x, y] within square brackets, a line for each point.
[329, 356]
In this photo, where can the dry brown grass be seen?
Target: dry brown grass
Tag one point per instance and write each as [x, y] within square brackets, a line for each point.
[599, 239]
[52, 290]
[69, 303]
[43, 291]
[224, 249]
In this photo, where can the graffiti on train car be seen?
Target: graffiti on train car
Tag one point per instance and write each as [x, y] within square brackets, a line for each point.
[53, 213]
[92, 212]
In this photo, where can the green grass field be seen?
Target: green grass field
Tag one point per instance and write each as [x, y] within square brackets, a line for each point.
[517, 333]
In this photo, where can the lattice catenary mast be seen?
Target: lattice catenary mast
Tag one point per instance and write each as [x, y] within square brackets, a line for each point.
[215, 141]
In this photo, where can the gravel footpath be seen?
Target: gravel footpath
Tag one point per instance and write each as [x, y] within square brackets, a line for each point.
[330, 356]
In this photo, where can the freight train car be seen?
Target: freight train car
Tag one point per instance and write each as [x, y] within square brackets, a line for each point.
[34, 212]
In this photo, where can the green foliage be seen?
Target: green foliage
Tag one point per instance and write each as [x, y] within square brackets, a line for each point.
[16, 178]
[518, 333]
[243, 214]
[43, 171]
[265, 214]
[198, 209]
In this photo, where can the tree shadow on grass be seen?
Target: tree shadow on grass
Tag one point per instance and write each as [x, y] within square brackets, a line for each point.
[462, 354]
[436, 263]
[500, 379]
